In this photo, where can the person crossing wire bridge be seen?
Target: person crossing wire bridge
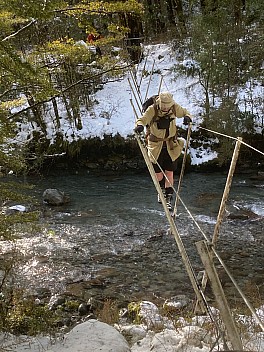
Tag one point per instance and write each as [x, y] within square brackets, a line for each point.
[164, 148]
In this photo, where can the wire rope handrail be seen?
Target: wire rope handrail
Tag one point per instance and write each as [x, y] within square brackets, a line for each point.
[231, 137]
[200, 229]
[203, 128]
[199, 292]
[223, 265]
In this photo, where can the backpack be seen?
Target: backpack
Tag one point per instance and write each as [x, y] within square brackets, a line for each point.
[148, 102]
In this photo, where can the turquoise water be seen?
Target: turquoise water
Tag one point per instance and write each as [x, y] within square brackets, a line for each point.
[114, 231]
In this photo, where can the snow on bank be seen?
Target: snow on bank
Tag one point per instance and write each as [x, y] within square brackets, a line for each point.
[113, 114]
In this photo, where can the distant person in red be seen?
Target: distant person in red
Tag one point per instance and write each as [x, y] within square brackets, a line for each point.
[92, 38]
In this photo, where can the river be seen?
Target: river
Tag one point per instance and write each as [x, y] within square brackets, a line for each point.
[112, 239]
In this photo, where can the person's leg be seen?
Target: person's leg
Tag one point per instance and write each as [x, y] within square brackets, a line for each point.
[161, 180]
[159, 176]
[169, 180]
[166, 183]
[169, 188]
[170, 167]
[159, 170]
[162, 186]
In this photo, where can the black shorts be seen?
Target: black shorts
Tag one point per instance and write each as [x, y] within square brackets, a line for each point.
[164, 161]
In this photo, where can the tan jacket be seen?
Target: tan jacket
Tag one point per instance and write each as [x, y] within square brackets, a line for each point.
[157, 136]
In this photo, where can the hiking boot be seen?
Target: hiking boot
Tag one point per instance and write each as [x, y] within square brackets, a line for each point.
[159, 199]
[168, 196]
[162, 186]
[169, 201]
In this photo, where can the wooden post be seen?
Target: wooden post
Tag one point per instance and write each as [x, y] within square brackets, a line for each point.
[151, 73]
[160, 84]
[143, 71]
[226, 190]
[182, 169]
[207, 259]
[224, 199]
[138, 105]
[136, 86]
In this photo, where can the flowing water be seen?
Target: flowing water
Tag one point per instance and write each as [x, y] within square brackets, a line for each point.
[112, 239]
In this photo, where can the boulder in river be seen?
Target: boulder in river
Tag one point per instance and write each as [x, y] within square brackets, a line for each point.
[53, 196]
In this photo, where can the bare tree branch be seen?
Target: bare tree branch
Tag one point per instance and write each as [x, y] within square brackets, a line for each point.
[68, 88]
[19, 31]
[89, 11]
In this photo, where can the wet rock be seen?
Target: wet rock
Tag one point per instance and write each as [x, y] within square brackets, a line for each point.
[133, 333]
[84, 308]
[237, 213]
[150, 315]
[56, 301]
[92, 166]
[176, 303]
[92, 336]
[258, 176]
[42, 293]
[52, 196]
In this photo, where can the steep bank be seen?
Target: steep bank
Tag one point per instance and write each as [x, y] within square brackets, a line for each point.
[119, 154]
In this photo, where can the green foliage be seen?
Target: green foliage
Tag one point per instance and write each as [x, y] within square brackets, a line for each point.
[227, 119]
[41, 57]
[41, 9]
[108, 18]
[105, 8]
[66, 50]
[13, 191]
[133, 309]
[11, 65]
[8, 21]
[27, 74]
[11, 155]
[228, 51]
[72, 305]
[23, 316]
[12, 223]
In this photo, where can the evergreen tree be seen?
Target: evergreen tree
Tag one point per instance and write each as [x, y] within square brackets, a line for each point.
[222, 39]
[45, 58]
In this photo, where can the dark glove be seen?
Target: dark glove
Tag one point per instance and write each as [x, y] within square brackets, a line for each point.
[139, 129]
[187, 120]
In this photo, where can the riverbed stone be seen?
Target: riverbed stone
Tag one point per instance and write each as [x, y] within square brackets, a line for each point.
[53, 196]
[176, 303]
[189, 338]
[92, 336]
[56, 301]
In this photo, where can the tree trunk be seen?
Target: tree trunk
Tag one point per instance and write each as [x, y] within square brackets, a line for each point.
[36, 112]
[180, 16]
[134, 37]
[56, 112]
[66, 104]
[239, 7]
